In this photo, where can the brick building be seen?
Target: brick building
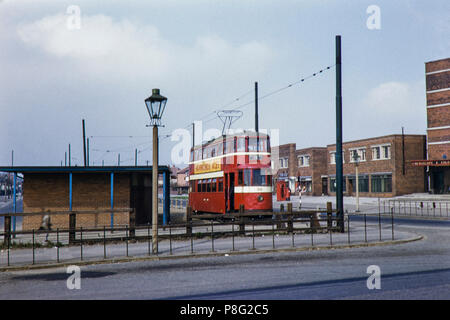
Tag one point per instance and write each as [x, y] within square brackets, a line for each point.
[284, 164]
[384, 169]
[66, 189]
[437, 75]
[311, 169]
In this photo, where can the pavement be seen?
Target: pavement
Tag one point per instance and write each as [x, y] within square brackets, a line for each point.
[263, 240]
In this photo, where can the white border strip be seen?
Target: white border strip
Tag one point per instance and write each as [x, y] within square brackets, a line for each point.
[253, 189]
[439, 105]
[208, 175]
[439, 128]
[230, 155]
[438, 90]
[438, 71]
[438, 142]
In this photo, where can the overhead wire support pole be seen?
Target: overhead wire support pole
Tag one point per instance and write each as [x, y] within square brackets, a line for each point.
[84, 142]
[338, 157]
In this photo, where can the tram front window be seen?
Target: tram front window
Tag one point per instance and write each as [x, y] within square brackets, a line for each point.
[261, 177]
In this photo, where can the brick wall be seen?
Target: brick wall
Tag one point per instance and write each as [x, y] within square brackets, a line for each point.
[317, 167]
[50, 192]
[412, 181]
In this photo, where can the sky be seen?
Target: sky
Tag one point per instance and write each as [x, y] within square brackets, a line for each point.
[64, 61]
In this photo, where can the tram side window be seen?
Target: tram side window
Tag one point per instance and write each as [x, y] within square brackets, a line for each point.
[247, 177]
[204, 186]
[213, 185]
[240, 178]
[220, 185]
[241, 145]
[208, 186]
[199, 186]
[260, 178]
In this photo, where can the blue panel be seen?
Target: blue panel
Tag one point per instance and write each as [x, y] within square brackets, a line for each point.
[14, 201]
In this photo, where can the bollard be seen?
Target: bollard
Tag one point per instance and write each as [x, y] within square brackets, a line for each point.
[33, 245]
[311, 227]
[148, 239]
[7, 227]
[72, 226]
[132, 224]
[253, 235]
[392, 223]
[232, 235]
[81, 243]
[290, 224]
[273, 236]
[188, 221]
[104, 242]
[241, 220]
[365, 227]
[329, 215]
[212, 236]
[170, 238]
[280, 216]
[57, 245]
[348, 228]
[379, 225]
[126, 240]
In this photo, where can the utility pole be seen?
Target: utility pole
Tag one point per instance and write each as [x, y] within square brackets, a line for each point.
[88, 152]
[403, 151]
[339, 167]
[256, 108]
[69, 155]
[84, 142]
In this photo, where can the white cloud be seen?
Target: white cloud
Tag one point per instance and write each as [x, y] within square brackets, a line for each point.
[133, 48]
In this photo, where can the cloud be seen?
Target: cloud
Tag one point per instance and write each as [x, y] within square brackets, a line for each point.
[132, 48]
[391, 105]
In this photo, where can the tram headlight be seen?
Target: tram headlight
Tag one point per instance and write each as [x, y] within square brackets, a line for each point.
[260, 198]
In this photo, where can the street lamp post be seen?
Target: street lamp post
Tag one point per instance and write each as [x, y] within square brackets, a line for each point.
[155, 104]
[356, 160]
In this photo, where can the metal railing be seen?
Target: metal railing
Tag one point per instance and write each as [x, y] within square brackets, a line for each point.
[242, 231]
[416, 207]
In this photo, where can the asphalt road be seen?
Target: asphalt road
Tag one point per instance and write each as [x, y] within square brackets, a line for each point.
[416, 270]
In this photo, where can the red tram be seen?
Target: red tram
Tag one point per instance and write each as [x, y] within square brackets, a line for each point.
[230, 171]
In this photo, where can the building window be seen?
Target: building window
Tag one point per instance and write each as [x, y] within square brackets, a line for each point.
[333, 185]
[284, 163]
[386, 152]
[333, 157]
[381, 152]
[360, 152]
[303, 161]
[363, 183]
[382, 183]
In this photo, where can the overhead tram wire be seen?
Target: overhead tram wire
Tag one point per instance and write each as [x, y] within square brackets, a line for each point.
[286, 87]
[214, 112]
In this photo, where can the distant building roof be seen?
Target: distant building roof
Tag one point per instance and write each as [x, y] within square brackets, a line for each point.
[81, 169]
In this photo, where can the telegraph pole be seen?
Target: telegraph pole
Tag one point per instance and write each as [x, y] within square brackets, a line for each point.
[84, 142]
[339, 167]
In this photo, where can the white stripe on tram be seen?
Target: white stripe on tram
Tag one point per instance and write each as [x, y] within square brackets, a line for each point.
[253, 189]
